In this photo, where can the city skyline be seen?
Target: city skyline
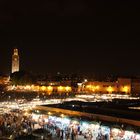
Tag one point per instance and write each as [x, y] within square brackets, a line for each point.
[50, 59]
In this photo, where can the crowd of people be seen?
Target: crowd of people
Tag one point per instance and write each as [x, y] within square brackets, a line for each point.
[69, 133]
[19, 123]
[65, 129]
[15, 123]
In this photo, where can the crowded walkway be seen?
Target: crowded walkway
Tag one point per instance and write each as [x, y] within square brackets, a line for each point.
[15, 123]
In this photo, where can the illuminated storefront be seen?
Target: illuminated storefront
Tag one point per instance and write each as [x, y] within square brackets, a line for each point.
[86, 129]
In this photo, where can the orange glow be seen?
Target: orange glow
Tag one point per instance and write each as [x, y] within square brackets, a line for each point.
[110, 89]
[88, 86]
[68, 88]
[125, 89]
[60, 88]
[97, 87]
[43, 88]
[37, 88]
[93, 90]
[28, 87]
[32, 87]
[62, 115]
[49, 113]
[50, 88]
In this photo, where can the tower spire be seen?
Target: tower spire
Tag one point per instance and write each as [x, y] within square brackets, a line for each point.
[15, 61]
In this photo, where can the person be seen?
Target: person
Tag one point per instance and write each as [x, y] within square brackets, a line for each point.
[67, 135]
[62, 134]
[90, 136]
[58, 132]
[106, 137]
[72, 135]
[42, 137]
[0, 133]
[78, 129]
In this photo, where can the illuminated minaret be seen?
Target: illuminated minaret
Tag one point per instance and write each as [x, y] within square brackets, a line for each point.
[15, 61]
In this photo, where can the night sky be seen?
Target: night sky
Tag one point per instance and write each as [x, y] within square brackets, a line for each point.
[84, 36]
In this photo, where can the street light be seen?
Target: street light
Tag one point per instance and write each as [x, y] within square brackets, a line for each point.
[85, 80]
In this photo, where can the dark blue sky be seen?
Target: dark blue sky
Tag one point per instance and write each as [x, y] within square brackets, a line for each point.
[74, 36]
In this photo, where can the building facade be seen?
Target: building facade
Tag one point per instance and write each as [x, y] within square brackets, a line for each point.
[15, 61]
[122, 85]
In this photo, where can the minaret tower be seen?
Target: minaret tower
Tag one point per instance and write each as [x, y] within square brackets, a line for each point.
[15, 61]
